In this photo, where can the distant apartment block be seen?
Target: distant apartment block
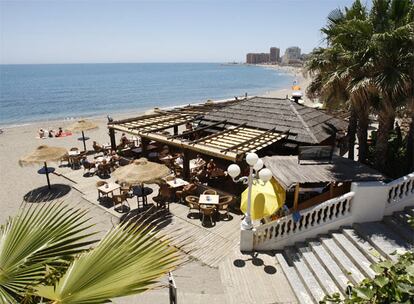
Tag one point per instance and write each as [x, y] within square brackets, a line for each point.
[274, 54]
[255, 58]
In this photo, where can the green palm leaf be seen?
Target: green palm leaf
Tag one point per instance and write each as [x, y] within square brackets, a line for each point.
[38, 236]
[128, 260]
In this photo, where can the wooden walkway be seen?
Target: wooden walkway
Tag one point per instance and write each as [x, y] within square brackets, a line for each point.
[209, 245]
[244, 279]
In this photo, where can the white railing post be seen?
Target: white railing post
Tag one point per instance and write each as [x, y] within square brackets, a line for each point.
[369, 202]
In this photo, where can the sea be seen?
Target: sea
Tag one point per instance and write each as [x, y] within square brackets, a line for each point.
[44, 92]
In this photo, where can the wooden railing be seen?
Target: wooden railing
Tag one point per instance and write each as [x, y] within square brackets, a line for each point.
[285, 227]
[400, 189]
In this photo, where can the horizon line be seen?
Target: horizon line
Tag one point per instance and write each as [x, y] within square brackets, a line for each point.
[132, 62]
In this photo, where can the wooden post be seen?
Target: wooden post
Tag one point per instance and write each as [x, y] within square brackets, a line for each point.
[112, 138]
[331, 190]
[186, 164]
[144, 144]
[296, 197]
[175, 130]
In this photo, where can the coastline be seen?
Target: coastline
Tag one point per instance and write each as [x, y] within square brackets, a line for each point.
[19, 140]
[125, 113]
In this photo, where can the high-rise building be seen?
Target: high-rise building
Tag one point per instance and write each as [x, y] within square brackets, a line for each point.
[255, 58]
[293, 52]
[274, 54]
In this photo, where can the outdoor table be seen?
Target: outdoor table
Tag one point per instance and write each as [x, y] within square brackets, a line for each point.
[102, 158]
[142, 192]
[108, 188]
[83, 139]
[209, 199]
[193, 165]
[74, 153]
[177, 182]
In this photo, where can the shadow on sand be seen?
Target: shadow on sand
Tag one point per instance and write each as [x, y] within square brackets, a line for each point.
[44, 194]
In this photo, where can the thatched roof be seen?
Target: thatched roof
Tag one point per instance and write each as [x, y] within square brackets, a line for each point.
[312, 126]
[288, 172]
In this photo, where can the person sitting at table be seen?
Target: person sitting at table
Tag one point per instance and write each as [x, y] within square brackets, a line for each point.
[211, 166]
[104, 168]
[124, 142]
[97, 147]
[187, 190]
[87, 165]
[164, 152]
[164, 194]
[59, 132]
[199, 161]
[179, 160]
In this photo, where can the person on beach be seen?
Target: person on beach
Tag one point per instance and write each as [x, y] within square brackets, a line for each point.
[59, 132]
[41, 133]
[51, 133]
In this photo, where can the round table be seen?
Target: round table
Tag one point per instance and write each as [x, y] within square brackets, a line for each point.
[141, 192]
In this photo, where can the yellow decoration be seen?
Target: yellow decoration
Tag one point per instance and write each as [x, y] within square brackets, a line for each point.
[266, 199]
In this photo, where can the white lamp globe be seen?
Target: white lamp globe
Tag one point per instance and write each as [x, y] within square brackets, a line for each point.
[258, 165]
[265, 175]
[251, 158]
[233, 170]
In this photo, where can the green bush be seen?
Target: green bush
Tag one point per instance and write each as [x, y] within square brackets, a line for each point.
[393, 283]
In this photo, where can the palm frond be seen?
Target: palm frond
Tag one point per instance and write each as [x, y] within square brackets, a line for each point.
[128, 260]
[39, 235]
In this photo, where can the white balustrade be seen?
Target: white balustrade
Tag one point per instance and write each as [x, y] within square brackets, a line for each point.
[367, 201]
[400, 189]
[285, 227]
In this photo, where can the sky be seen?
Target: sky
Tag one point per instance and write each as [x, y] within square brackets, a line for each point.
[104, 31]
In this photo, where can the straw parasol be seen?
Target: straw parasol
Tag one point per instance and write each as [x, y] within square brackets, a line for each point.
[82, 126]
[42, 155]
[141, 171]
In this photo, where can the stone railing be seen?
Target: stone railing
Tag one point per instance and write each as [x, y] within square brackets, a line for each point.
[400, 189]
[367, 202]
[286, 227]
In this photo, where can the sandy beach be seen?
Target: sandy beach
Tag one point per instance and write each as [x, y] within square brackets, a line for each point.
[17, 141]
[16, 182]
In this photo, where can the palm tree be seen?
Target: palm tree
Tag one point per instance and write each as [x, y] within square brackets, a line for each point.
[391, 61]
[374, 62]
[47, 253]
[334, 69]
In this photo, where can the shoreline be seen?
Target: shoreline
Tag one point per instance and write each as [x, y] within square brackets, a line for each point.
[126, 113]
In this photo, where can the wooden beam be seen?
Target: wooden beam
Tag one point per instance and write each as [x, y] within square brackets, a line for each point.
[199, 129]
[250, 140]
[159, 121]
[179, 122]
[218, 133]
[296, 197]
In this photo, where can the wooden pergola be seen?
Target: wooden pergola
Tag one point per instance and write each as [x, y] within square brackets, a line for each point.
[224, 140]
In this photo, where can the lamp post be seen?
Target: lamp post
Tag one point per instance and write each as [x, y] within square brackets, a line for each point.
[255, 166]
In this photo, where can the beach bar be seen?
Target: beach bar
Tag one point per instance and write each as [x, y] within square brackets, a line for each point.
[226, 131]
[312, 181]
